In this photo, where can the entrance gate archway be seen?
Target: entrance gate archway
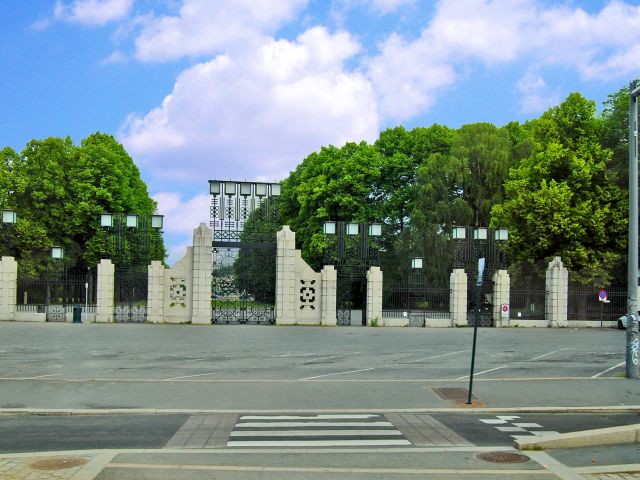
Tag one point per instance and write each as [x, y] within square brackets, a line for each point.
[244, 223]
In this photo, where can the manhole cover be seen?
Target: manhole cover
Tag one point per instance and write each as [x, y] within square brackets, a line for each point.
[58, 463]
[453, 393]
[502, 457]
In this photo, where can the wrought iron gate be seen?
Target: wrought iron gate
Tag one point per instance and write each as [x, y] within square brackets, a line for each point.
[351, 298]
[130, 299]
[352, 248]
[244, 222]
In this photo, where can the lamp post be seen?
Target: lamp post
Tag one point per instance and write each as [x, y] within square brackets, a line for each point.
[131, 239]
[632, 353]
[352, 249]
[7, 231]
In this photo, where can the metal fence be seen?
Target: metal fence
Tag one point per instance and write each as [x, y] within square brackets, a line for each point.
[55, 293]
[415, 302]
[527, 304]
[583, 303]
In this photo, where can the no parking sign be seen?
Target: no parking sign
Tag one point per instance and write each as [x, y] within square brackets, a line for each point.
[504, 310]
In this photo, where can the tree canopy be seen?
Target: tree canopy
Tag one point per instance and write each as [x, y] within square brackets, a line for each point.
[560, 200]
[59, 191]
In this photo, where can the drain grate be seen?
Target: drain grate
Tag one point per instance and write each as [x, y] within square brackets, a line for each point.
[457, 393]
[502, 457]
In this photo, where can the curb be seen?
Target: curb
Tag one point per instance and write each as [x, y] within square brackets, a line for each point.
[584, 438]
[177, 411]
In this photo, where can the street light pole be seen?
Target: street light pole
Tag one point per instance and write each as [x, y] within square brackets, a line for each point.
[633, 336]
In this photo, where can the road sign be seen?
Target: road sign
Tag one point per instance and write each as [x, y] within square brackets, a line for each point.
[602, 296]
[504, 310]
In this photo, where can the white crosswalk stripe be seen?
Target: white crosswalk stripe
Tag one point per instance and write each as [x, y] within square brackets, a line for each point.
[365, 430]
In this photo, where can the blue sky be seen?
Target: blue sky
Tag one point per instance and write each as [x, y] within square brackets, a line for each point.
[245, 89]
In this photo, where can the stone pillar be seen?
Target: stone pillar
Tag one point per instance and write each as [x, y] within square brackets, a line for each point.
[106, 290]
[285, 276]
[458, 298]
[501, 290]
[329, 289]
[374, 296]
[202, 271]
[155, 295]
[557, 293]
[8, 288]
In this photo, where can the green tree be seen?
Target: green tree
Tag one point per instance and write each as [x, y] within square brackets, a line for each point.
[458, 188]
[615, 135]
[560, 200]
[332, 184]
[59, 191]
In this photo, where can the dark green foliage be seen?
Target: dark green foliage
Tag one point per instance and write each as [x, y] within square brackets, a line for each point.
[59, 191]
[561, 200]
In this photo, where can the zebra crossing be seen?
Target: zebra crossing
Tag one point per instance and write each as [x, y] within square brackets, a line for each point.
[358, 430]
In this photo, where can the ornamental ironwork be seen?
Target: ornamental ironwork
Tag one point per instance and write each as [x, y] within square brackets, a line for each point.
[244, 220]
[352, 248]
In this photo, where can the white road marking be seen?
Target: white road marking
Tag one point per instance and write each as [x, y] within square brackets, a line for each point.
[485, 371]
[314, 433]
[544, 433]
[508, 417]
[311, 424]
[311, 417]
[511, 429]
[319, 443]
[43, 376]
[547, 354]
[608, 370]
[337, 373]
[438, 356]
[528, 425]
[188, 376]
[493, 421]
[324, 358]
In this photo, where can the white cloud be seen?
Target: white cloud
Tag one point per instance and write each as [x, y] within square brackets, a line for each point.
[535, 94]
[203, 27]
[389, 6]
[256, 114]
[408, 74]
[92, 12]
[182, 215]
[114, 58]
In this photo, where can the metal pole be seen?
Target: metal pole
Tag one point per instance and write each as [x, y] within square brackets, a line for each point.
[475, 326]
[633, 337]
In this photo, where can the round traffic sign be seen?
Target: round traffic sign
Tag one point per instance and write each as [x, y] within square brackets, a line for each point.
[602, 296]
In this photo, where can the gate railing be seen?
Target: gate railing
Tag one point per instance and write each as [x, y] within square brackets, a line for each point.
[415, 302]
[583, 303]
[527, 303]
[56, 293]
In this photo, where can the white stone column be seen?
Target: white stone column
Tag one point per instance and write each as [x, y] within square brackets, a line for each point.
[285, 277]
[329, 288]
[374, 296]
[458, 297]
[155, 293]
[501, 291]
[8, 288]
[557, 293]
[106, 290]
[202, 272]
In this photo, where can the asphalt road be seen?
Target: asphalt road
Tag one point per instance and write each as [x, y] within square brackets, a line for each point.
[62, 366]
[71, 432]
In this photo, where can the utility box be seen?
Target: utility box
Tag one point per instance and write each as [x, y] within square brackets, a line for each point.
[77, 314]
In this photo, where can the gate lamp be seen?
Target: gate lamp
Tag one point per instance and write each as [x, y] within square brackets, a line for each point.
[416, 263]
[459, 233]
[9, 216]
[57, 252]
[375, 229]
[329, 228]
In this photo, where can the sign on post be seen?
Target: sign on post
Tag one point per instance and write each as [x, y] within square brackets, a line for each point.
[602, 296]
[504, 310]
